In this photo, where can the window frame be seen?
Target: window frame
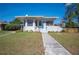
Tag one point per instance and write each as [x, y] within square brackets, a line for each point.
[29, 22]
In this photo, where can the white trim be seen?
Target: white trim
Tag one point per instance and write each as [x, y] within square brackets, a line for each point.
[51, 17]
[29, 16]
[37, 16]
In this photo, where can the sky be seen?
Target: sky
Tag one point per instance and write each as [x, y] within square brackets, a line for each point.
[8, 11]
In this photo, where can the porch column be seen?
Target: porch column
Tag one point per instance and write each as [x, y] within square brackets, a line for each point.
[34, 24]
[25, 25]
[44, 24]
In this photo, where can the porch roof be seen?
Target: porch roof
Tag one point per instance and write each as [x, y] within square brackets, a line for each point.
[36, 17]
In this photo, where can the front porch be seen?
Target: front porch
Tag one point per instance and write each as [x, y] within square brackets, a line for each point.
[37, 25]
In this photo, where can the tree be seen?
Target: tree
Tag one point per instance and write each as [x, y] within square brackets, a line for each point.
[14, 25]
[70, 14]
[76, 11]
[16, 21]
[71, 24]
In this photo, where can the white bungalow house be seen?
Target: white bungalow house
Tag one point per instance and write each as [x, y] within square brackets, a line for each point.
[39, 23]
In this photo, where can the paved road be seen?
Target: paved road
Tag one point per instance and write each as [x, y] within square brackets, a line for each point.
[52, 47]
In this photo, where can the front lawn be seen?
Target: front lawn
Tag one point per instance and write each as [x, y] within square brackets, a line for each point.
[3, 32]
[21, 43]
[69, 40]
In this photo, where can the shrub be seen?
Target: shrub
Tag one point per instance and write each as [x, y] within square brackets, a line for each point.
[71, 24]
[12, 27]
[63, 31]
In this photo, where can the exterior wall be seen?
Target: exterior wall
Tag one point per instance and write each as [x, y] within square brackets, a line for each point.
[29, 28]
[54, 28]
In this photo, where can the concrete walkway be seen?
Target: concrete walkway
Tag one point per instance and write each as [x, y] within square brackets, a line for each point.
[52, 47]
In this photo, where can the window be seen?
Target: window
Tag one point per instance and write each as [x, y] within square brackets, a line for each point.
[29, 22]
[49, 22]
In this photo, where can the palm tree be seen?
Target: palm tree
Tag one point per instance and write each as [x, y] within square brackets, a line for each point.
[71, 12]
[77, 12]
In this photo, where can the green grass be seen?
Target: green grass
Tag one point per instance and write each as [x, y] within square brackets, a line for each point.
[3, 32]
[69, 40]
[22, 43]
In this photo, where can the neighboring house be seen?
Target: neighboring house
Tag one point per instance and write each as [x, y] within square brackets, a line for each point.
[2, 25]
[39, 23]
